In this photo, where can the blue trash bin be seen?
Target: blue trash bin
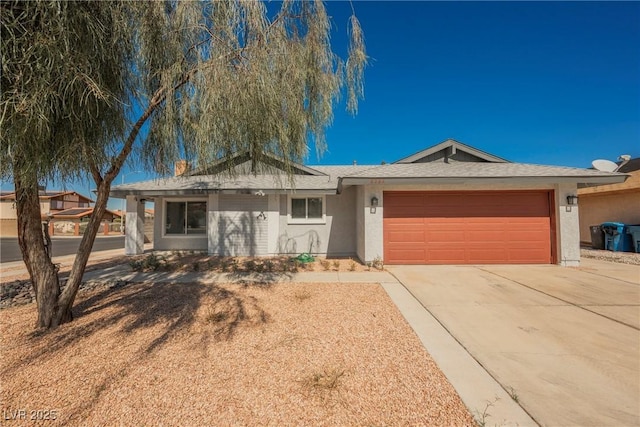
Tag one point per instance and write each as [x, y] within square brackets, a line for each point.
[634, 231]
[616, 237]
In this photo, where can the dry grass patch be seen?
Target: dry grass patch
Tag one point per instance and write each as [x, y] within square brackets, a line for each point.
[327, 379]
[226, 354]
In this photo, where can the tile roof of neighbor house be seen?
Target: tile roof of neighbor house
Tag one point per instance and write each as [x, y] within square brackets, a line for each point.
[630, 166]
[5, 195]
[75, 213]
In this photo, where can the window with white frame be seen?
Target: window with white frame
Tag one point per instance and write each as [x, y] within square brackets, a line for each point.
[185, 217]
[307, 209]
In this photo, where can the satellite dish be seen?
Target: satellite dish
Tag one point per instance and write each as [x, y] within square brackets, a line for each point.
[604, 165]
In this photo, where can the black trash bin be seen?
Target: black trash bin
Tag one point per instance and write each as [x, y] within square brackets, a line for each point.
[597, 237]
[634, 230]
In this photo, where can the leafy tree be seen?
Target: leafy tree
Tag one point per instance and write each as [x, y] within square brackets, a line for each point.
[80, 80]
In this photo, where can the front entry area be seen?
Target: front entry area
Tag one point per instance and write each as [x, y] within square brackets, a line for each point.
[505, 227]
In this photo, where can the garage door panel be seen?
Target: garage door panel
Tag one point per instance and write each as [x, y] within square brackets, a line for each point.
[401, 237]
[446, 255]
[530, 236]
[484, 236]
[467, 228]
[408, 256]
[445, 236]
[483, 256]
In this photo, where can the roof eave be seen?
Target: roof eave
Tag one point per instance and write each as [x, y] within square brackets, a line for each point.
[614, 179]
[121, 194]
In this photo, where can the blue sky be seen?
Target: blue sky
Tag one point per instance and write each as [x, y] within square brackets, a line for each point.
[535, 82]
[542, 82]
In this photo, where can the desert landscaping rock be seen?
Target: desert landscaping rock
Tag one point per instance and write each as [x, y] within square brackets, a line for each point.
[227, 354]
[632, 258]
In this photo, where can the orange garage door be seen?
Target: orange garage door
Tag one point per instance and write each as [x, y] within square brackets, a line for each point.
[467, 228]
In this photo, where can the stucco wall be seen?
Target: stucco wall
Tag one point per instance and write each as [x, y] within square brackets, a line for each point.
[373, 220]
[134, 229]
[360, 233]
[337, 237]
[567, 226]
[598, 208]
[8, 227]
[8, 210]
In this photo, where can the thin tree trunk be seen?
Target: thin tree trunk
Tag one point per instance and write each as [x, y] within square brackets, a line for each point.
[66, 299]
[55, 307]
[44, 275]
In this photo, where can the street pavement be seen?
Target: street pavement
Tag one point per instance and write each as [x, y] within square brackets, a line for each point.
[10, 251]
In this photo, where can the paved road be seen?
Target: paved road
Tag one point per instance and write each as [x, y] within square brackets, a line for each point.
[564, 342]
[9, 250]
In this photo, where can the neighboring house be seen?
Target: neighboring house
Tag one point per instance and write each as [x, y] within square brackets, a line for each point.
[69, 220]
[51, 202]
[612, 202]
[448, 204]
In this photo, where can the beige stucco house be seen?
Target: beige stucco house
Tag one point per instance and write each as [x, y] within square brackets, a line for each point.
[448, 204]
[618, 202]
[51, 203]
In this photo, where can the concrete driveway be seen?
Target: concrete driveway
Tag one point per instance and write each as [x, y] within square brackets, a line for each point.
[563, 342]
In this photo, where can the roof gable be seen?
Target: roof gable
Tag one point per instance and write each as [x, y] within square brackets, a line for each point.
[243, 163]
[451, 150]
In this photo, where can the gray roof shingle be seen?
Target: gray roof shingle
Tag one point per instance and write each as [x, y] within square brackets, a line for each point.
[180, 185]
[475, 170]
[435, 172]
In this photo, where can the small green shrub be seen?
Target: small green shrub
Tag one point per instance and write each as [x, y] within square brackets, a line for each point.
[136, 265]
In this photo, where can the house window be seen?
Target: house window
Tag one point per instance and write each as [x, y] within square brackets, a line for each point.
[186, 218]
[307, 210]
[57, 204]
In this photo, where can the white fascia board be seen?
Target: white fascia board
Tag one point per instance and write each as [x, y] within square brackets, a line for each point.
[121, 194]
[488, 180]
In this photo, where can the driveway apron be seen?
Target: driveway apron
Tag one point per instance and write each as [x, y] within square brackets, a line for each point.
[563, 342]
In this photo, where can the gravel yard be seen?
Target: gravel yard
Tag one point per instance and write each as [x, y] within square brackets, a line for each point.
[632, 258]
[225, 354]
